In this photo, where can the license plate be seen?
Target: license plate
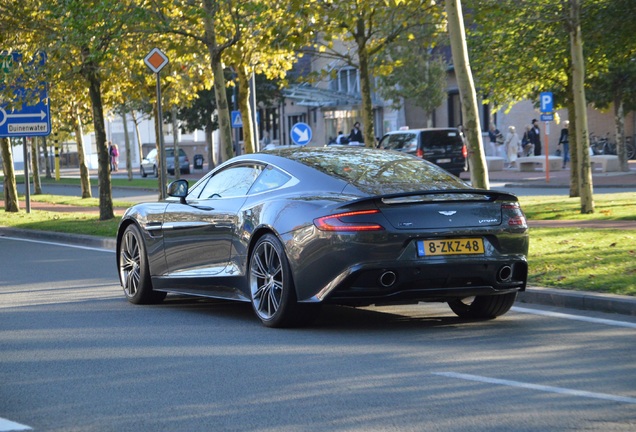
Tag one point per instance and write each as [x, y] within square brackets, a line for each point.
[458, 246]
[445, 160]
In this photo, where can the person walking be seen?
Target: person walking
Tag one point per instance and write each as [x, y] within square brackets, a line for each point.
[355, 137]
[512, 147]
[493, 133]
[535, 137]
[564, 142]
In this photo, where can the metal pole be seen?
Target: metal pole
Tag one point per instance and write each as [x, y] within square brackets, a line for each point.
[57, 158]
[162, 150]
[27, 185]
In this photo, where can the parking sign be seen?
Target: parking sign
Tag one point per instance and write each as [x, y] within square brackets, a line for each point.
[547, 104]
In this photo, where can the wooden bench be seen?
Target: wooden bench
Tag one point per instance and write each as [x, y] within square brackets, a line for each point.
[495, 163]
[606, 162]
[529, 163]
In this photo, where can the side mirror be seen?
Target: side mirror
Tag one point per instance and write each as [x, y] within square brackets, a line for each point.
[178, 189]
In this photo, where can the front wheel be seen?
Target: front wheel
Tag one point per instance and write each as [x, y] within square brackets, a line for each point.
[272, 287]
[483, 307]
[134, 273]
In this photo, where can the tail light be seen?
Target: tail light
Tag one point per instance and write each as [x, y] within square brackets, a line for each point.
[515, 214]
[464, 151]
[349, 221]
[420, 153]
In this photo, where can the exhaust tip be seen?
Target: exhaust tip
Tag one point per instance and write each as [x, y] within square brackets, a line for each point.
[387, 279]
[504, 274]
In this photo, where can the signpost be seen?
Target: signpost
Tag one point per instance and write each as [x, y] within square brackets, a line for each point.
[157, 60]
[547, 115]
[25, 116]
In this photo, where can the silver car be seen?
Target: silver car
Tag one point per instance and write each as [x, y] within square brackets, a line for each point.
[149, 164]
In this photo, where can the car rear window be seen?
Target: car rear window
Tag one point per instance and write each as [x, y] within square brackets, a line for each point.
[441, 138]
[170, 152]
[376, 171]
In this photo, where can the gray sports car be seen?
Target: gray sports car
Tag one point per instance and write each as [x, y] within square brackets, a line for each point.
[291, 229]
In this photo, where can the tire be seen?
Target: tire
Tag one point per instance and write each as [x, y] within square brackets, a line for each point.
[134, 273]
[144, 174]
[272, 288]
[155, 173]
[630, 150]
[483, 307]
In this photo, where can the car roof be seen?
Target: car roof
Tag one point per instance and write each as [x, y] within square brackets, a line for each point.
[450, 129]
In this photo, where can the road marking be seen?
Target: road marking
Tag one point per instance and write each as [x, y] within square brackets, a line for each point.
[7, 425]
[58, 244]
[543, 388]
[575, 317]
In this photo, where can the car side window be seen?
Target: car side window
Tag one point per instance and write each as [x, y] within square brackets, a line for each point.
[271, 178]
[233, 181]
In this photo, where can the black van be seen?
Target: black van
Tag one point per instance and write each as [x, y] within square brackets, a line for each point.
[442, 146]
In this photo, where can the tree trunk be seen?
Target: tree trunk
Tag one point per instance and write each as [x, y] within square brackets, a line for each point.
[138, 134]
[47, 161]
[246, 108]
[580, 107]
[175, 143]
[35, 167]
[127, 144]
[210, 146]
[366, 107]
[85, 178]
[225, 125]
[103, 172]
[619, 120]
[467, 94]
[11, 203]
[574, 155]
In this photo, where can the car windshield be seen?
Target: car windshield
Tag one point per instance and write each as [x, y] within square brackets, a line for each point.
[170, 152]
[376, 171]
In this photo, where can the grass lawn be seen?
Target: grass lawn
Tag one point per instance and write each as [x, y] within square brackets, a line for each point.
[596, 260]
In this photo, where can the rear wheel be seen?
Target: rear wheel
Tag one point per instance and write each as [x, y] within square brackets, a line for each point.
[272, 287]
[483, 307]
[134, 273]
[630, 150]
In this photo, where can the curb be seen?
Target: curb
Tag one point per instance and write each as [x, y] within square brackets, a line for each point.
[74, 239]
[608, 303]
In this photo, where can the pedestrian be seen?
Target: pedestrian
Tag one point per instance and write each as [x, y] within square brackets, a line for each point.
[564, 142]
[355, 137]
[493, 137]
[535, 137]
[512, 147]
[114, 157]
[527, 148]
[110, 155]
[342, 138]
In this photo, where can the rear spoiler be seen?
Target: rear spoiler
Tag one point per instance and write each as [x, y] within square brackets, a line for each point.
[489, 195]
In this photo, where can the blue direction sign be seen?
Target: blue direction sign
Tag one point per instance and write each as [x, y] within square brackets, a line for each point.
[237, 120]
[301, 133]
[29, 120]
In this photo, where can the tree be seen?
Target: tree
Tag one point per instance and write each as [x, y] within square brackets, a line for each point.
[11, 203]
[467, 94]
[367, 28]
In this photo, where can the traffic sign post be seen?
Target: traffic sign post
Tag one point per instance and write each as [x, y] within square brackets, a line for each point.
[547, 115]
[157, 60]
[301, 134]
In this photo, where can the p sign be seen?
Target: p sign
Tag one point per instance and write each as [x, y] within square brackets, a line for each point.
[547, 104]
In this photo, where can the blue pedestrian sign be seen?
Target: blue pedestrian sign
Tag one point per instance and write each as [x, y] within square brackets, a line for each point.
[547, 103]
[301, 134]
[29, 120]
[237, 119]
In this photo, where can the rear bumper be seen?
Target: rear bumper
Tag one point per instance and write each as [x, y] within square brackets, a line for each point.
[431, 282]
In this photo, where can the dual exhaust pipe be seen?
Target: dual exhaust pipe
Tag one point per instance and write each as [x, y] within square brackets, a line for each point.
[388, 278]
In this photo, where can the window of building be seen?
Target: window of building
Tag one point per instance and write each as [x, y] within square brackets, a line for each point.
[347, 81]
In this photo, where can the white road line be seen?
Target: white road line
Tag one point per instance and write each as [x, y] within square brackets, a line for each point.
[543, 388]
[58, 244]
[7, 425]
[575, 317]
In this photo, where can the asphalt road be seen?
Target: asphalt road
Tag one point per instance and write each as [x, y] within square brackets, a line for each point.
[75, 356]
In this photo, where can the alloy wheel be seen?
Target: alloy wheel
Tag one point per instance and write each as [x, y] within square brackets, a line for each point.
[266, 280]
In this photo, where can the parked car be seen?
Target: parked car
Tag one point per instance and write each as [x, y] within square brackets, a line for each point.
[149, 164]
[444, 147]
[292, 228]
